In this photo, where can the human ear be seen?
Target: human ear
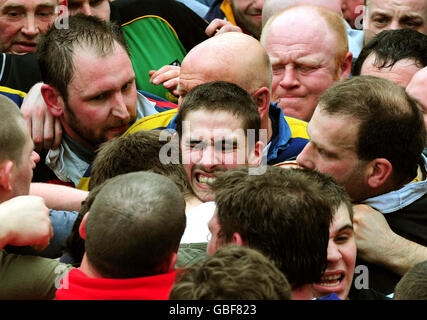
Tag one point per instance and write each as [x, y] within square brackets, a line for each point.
[237, 239]
[345, 68]
[6, 168]
[379, 172]
[53, 100]
[82, 227]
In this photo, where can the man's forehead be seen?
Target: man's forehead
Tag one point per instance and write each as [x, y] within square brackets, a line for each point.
[405, 6]
[27, 3]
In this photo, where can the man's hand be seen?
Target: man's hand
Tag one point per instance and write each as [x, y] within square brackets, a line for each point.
[45, 130]
[372, 232]
[218, 26]
[378, 244]
[168, 76]
[24, 220]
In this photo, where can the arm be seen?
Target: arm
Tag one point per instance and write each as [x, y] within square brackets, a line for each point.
[25, 221]
[59, 197]
[45, 129]
[378, 244]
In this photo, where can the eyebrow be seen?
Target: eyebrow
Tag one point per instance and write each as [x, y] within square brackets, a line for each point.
[345, 227]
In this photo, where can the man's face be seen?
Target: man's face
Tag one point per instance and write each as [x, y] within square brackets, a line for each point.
[400, 73]
[394, 14]
[332, 150]
[342, 251]
[23, 173]
[248, 15]
[303, 67]
[101, 97]
[212, 143]
[22, 22]
[99, 8]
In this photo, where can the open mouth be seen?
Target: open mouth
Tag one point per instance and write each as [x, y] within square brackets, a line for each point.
[204, 180]
[331, 280]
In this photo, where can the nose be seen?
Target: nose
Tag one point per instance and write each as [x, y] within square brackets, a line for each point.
[259, 4]
[334, 254]
[86, 9]
[209, 158]
[394, 25]
[119, 107]
[35, 158]
[304, 158]
[30, 28]
[290, 78]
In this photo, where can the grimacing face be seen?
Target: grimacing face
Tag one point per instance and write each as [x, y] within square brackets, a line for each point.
[304, 62]
[342, 251]
[213, 143]
[22, 22]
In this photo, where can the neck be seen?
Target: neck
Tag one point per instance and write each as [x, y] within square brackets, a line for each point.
[75, 136]
[87, 268]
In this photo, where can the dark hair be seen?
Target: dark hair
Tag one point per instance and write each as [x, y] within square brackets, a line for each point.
[221, 96]
[134, 152]
[284, 213]
[391, 46]
[55, 51]
[391, 126]
[232, 273]
[135, 223]
[413, 284]
[139, 151]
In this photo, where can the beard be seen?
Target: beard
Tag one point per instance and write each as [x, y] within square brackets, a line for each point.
[96, 136]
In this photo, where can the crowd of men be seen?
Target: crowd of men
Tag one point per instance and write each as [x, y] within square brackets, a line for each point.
[224, 149]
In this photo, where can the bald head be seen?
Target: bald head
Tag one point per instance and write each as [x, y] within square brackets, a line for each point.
[234, 57]
[273, 6]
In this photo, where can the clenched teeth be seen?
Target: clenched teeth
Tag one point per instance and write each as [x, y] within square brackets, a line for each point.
[205, 180]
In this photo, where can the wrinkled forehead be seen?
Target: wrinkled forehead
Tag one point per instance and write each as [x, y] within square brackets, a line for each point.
[27, 3]
[413, 7]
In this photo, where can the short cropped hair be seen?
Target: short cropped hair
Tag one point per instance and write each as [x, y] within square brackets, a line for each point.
[12, 134]
[232, 273]
[413, 284]
[391, 126]
[139, 151]
[221, 96]
[391, 46]
[55, 51]
[135, 223]
[333, 20]
[283, 213]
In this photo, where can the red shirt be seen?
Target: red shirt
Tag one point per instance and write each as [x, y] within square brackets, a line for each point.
[77, 286]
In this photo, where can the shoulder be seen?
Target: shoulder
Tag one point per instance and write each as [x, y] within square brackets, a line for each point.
[155, 121]
[298, 127]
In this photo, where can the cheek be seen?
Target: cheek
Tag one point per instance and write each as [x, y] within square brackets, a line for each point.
[349, 255]
[317, 82]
